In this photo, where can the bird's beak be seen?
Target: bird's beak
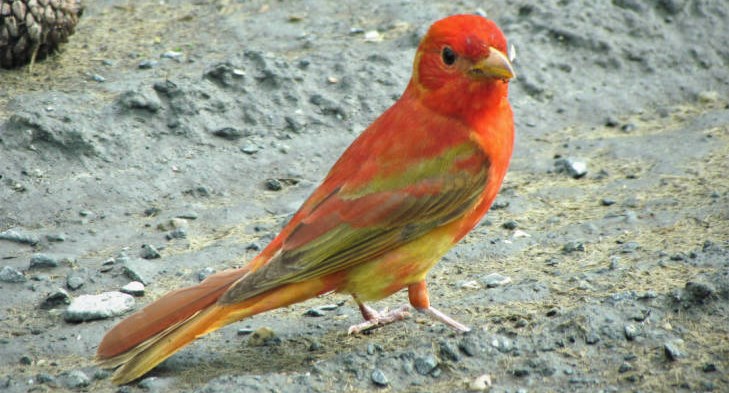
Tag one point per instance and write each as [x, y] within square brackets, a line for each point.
[496, 65]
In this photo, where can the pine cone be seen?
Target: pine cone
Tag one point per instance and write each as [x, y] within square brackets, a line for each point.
[32, 29]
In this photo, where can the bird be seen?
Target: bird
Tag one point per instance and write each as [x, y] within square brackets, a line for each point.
[406, 190]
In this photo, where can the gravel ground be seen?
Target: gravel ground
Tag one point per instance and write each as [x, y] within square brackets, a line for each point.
[173, 139]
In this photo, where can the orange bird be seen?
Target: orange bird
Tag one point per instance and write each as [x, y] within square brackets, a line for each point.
[408, 189]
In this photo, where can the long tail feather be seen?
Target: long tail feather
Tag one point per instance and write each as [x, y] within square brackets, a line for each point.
[148, 337]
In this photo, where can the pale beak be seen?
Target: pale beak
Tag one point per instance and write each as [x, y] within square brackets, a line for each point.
[496, 65]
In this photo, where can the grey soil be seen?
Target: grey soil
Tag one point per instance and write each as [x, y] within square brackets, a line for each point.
[192, 130]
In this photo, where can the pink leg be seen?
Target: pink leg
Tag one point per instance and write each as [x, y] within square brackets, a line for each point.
[374, 319]
[418, 295]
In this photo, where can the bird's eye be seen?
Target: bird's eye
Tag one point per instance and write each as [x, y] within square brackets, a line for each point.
[449, 56]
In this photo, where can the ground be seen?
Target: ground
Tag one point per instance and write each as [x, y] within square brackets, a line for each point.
[228, 114]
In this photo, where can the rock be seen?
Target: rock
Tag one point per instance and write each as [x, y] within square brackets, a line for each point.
[709, 368]
[74, 281]
[572, 167]
[480, 384]
[625, 367]
[573, 246]
[448, 351]
[149, 252]
[147, 64]
[55, 299]
[56, 237]
[249, 148]
[631, 332]
[607, 202]
[12, 275]
[494, 280]
[19, 236]
[511, 225]
[75, 379]
[672, 351]
[134, 99]
[425, 365]
[379, 378]
[205, 273]
[313, 312]
[273, 185]
[229, 133]
[45, 378]
[698, 291]
[177, 233]
[139, 270]
[708, 97]
[104, 305]
[134, 288]
[263, 336]
[40, 261]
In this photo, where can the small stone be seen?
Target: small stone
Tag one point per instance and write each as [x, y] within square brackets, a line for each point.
[611, 122]
[699, 291]
[573, 246]
[98, 78]
[134, 288]
[174, 55]
[75, 379]
[19, 236]
[26, 360]
[709, 368]
[12, 275]
[262, 336]
[672, 351]
[39, 261]
[372, 36]
[56, 237]
[249, 148]
[55, 299]
[511, 225]
[631, 332]
[45, 378]
[245, 331]
[521, 372]
[229, 133]
[592, 338]
[425, 365]
[480, 384]
[708, 97]
[313, 312]
[468, 346]
[104, 305]
[147, 64]
[177, 233]
[205, 273]
[629, 247]
[628, 127]
[149, 252]
[274, 185]
[315, 346]
[494, 280]
[625, 367]
[572, 167]
[138, 270]
[448, 351]
[379, 378]
[74, 281]
[607, 202]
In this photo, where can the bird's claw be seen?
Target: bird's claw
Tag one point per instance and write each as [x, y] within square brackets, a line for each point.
[377, 319]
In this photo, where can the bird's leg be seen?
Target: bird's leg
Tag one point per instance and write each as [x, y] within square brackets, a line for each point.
[375, 319]
[418, 295]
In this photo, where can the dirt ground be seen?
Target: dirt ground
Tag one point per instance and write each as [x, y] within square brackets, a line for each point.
[618, 280]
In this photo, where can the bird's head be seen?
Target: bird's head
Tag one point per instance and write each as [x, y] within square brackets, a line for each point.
[462, 57]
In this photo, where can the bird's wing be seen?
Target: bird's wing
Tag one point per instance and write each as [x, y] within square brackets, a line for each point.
[353, 225]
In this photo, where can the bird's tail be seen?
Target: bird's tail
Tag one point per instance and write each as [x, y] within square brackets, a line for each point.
[148, 337]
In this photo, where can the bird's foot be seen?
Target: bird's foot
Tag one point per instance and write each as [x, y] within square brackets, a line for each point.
[375, 319]
[434, 313]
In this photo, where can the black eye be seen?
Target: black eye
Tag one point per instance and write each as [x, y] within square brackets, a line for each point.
[449, 56]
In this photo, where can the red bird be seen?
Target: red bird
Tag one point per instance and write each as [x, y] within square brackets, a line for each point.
[408, 189]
